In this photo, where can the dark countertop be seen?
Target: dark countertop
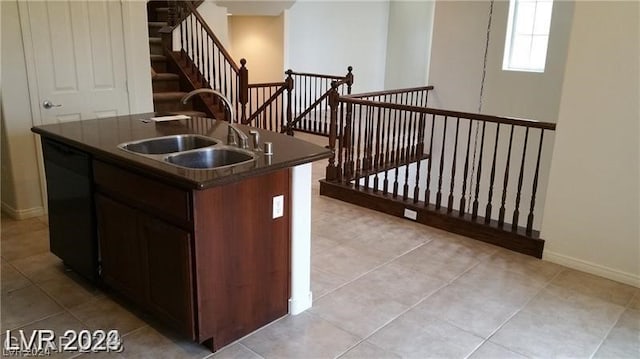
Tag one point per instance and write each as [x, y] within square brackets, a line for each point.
[101, 137]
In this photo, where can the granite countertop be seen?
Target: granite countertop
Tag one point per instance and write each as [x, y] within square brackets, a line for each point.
[101, 137]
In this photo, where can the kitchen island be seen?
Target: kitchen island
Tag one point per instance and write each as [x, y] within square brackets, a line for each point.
[213, 253]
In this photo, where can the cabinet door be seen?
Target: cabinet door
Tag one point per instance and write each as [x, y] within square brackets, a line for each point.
[121, 250]
[170, 291]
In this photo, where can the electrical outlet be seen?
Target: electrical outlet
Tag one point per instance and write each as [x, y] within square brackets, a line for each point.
[410, 214]
[278, 206]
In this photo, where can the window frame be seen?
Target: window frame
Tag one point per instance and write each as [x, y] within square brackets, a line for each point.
[511, 35]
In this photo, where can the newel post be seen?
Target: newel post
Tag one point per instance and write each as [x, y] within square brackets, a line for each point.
[243, 91]
[289, 82]
[334, 97]
[349, 79]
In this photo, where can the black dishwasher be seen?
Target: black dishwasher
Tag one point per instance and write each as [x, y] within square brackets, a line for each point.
[72, 220]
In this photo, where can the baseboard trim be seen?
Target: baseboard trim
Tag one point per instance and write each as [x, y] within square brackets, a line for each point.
[20, 214]
[593, 268]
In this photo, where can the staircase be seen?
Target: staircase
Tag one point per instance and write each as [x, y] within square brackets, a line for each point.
[168, 89]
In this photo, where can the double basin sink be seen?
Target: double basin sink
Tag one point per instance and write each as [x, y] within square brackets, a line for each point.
[190, 151]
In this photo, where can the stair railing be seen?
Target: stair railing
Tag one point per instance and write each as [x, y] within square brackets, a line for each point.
[455, 163]
[200, 50]
[411, 96]
[309, 101]
[268, 105]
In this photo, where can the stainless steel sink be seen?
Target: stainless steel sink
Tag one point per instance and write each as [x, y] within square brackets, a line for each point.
[210, 158]
[168, 144]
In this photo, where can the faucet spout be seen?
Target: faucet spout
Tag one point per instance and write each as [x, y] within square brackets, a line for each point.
[220, 95]
[234, 132]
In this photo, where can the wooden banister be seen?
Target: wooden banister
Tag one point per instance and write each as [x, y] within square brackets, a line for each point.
[450, 113]
[389, 92]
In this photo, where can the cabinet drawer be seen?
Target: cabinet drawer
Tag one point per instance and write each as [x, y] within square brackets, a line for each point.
[150, 195]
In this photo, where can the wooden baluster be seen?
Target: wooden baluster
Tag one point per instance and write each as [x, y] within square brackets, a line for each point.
[387, 155]
[244, 90]
[289, 115]
[331, 173]
[360, 138]
[207, 73]
[340, 143]
[535, 186]
[192, 55]
[487, 216]
[442, 150]
[453, 167]
[419, 151]
[411, 147]
[377, 151]
[317, 125]
[463, 199]
[502, 211]
[190, 36]
[219, 84]
[396, 151]
[305, 120]
[370, 136]
[182, 40]
[405, 154]
[200, 54]
[427, 191]
[474, 213]
[516, 212]
[263, 114]
[199, 65]
[349, 143]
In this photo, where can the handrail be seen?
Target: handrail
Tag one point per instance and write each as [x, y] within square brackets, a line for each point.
[473, 116]
[215, 39]
[267, 84]
[324, 76]
[389, 92]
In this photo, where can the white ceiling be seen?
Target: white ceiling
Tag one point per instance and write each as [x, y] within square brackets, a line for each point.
[255, 8]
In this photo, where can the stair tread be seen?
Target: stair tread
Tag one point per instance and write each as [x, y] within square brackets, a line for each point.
[168, 96]
[155, 57]
[165, 76]
[155, 40]
[158, 23]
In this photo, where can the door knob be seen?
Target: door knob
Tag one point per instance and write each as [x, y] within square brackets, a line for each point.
[48, 104]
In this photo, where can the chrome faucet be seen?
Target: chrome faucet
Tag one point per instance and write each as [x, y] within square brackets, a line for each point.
[234, 132]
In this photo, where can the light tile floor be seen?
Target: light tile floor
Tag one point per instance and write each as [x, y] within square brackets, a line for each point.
[383, 288]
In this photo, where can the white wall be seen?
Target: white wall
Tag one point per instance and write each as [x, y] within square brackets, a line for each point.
[526, 94]
[408, 43]
[591, 217]
[216, 18]
[327, 37]
[260, 40]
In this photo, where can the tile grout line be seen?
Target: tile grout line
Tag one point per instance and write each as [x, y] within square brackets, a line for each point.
[251, 350]
[371, 270]
[404, 312]
[547, 284]
[604, 338]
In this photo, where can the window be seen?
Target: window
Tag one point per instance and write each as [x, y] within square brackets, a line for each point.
[525, 47]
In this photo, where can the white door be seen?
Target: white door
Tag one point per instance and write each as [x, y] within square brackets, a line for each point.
[75, 59]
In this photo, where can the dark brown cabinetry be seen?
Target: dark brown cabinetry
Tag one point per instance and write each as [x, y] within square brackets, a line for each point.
[148, 261]
[213, 263]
